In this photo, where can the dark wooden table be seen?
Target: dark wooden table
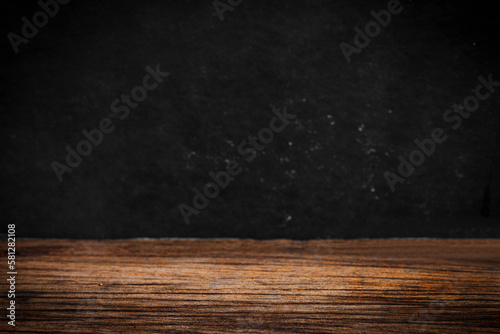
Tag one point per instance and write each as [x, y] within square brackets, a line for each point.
[247, 286]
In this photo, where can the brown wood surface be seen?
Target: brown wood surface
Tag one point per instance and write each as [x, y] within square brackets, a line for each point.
[247, 286]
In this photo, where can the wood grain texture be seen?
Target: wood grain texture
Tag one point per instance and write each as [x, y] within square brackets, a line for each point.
[248, 286]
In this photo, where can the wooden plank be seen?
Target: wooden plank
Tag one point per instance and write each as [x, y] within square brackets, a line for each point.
[248, 286]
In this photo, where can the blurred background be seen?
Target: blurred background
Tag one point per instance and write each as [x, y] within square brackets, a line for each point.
[322, 177]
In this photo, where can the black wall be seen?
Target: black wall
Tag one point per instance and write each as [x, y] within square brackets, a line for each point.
[322, 176]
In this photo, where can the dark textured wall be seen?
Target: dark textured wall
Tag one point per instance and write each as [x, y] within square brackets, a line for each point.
[322, 176]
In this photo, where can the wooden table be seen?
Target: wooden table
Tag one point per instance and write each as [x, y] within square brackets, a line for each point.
[248, 286]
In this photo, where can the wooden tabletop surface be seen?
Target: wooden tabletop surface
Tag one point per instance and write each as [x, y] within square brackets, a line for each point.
[248, 286]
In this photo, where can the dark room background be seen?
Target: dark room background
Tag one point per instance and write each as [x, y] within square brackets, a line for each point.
[323, 176]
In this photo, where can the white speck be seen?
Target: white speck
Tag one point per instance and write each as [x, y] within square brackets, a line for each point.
[288, 218]
[389, 111]
[371, 150]
[386, 154]
[361, 127]
[332, 123]
[372, 190]
[290, 143]
[329, 116]
[304, 100]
